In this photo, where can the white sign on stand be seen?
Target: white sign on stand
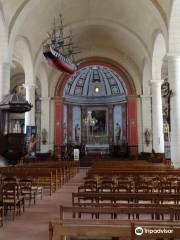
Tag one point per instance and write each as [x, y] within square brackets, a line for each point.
[76, 154]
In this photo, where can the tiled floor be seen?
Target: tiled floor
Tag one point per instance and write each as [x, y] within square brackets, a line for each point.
[33, 224]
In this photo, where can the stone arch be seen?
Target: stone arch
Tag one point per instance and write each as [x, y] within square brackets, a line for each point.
[4, 56]
[23, 55]
[130, 107]
[41, 73]
[17, 21]
[146, 77]
[145, 113]
[42, 76]
[119, 60]
[22, 52]
[159, 52]
[174, 29]
[131, 88]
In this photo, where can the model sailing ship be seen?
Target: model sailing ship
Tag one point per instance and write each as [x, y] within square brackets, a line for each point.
[59, 50]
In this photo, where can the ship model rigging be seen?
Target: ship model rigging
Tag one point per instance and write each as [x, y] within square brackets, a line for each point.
[59, 50]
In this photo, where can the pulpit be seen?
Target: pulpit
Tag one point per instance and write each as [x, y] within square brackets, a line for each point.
[12, 138]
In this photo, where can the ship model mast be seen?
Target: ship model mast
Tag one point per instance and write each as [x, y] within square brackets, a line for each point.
[60, 50]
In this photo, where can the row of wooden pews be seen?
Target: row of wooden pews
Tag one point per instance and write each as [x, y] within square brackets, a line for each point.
[90, 228]
[117, 198]
[26, 182]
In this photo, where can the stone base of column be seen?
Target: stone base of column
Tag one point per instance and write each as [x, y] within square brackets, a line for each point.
[44, 148]
[175, 164]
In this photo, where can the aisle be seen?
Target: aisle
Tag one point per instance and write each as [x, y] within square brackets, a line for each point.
[33, 224]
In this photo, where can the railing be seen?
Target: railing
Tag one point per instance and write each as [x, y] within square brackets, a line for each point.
[97, 139]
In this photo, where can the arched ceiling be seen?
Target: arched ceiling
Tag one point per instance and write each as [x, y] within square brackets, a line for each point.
[126, 26]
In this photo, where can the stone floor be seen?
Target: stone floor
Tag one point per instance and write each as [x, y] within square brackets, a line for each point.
[33, 224]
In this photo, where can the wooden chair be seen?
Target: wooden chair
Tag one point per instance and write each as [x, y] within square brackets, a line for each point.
[87, 188]
[27, 191]
[12, 199]
[141, 186]
[9, 180]
[1, 205]
[90, 183]
[106, 186]
[1, 215]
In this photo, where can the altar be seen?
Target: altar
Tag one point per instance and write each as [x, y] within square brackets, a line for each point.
[102, 149]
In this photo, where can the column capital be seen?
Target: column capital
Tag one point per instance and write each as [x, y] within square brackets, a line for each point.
[156, 82]
[29, 85]
[173, 57]
[132, 96]
[5, 63]
[145, 96]
[45, 98]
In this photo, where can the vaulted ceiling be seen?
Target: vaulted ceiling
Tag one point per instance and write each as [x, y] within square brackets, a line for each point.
[113, 27]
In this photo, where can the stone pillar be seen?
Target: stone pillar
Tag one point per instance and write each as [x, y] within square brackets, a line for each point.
[52, 125]
[69, 123]
[45, 113]
[146, 122]
[30, 97]
[83, 126]
[110, 125]
[132, 125]
[4, 79]
[174, 79]
[157, 117]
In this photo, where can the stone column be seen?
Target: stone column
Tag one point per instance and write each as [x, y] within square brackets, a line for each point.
[30, 97]
[146, 122]
[174, 79]
[110, 125]
[157, 117]
[52, 125]
[69, 123]
[83, 126]
[4, 79]
[45, 113]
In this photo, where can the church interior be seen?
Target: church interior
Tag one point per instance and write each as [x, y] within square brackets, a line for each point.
[89, 119]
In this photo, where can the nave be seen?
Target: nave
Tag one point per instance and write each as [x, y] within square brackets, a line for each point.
[110, 199]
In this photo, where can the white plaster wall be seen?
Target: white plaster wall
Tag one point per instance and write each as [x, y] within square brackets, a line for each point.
[45, 115]
[145, 102]
[51, 122]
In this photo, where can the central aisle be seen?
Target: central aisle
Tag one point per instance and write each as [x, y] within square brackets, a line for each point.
[33, 224]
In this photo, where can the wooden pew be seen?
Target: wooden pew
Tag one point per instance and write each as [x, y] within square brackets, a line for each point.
[92, 228]
[113, 212]
[46, 178]
[1, 215]
[170, 209]
[89, 228]
[128, 197]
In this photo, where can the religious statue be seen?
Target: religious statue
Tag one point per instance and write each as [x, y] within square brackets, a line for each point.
[118, 133]
[77, 133]
[166, 131]
[44, 136]
[31, 146]
[147, 136]
[65, 132]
